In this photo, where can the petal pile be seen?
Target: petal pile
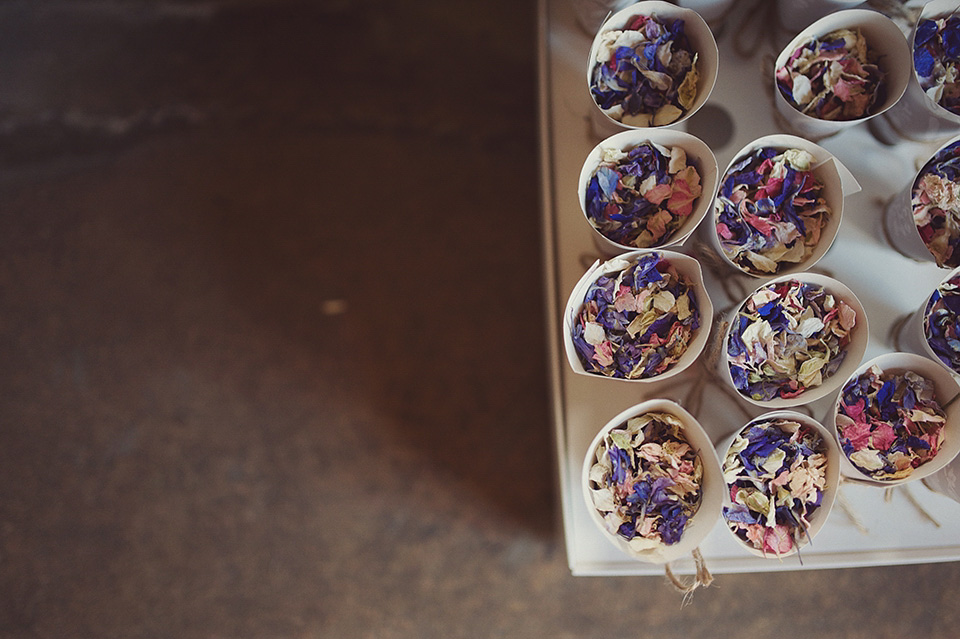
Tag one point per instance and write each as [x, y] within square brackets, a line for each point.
[936, 59]
[889, 423]
[640, 197]
[646, 482]
[637, 319]
[775, 471]
[936, 205]
[941, 323]
[645, 74]
[770, 210]
[786, 338]
[834, 77]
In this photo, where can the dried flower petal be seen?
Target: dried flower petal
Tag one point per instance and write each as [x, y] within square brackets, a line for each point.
[774, 351]
[889, 423]
[936, 205]
[936, 59]
[941, 323]
[770, 210]
[647, 313]
[776, 476]
[646, 481]
[645, 74]
[640, 197]
[834, 77]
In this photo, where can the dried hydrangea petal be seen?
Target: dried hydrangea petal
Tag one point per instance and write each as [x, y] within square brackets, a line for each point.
[770, 211]
[647, 480]
[833, 77]
[936, 59]
[641, 196]
[645, 74]
[786, 338]
[889, 424]
[935, 202]
[941, 323]
[637, 319]
[775, 471]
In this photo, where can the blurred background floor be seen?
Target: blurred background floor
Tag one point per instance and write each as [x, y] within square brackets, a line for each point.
[273, 361]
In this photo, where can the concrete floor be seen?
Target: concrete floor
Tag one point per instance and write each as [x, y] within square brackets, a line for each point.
[271, 349]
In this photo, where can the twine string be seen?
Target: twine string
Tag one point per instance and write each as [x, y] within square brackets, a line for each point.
[702, 577]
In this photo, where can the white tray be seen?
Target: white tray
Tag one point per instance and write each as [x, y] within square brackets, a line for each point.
[870, 526]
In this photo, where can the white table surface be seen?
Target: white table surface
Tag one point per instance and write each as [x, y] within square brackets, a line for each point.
[869, 525]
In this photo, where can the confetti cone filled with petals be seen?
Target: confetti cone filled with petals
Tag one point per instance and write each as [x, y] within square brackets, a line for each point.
[891, 421]
[935, 201]
[771, 211]
[641, 316]
[652, 481]
[782, 473]
[941, 322]
[833, 77]
[936, 58]
[789, 339]
[652, 64]
[845, 68]
[643, 189]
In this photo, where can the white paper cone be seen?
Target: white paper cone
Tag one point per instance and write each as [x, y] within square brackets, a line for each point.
[899, 225]
[946, 481]
[698, 154]
[883, 36]
[832, 482]
[946, 388]
[837, 180]
[855, 349]
[916, 329]
[910, 337]
[701, 40]
[686, 266]
[798, 14]
[917, 116]
[702, 522]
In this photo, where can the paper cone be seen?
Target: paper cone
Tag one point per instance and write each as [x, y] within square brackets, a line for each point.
[917, 116]
[798, 14]
[702, 522]
[946, 481]
[882, 35]
[838, 182]
[686, 266]
[919, 330]
[701, 40]
[901, 229]
[698, 155]
[820, 515]
[946, 388]
[855, 349]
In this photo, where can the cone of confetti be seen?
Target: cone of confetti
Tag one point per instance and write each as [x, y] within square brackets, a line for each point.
[799, 14]
[793, 341]
[647, 188]
[894, 419]
[652, 64]
[930, 107]
[642, 316]
[781, 474]
[779, 205]
[923, 220]
[652, 483]
[938, 328]
[843, 69]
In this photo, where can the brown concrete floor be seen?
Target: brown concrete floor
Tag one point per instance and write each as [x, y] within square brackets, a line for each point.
[272, 357]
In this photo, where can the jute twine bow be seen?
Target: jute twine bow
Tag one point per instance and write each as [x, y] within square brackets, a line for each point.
[701, 578]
